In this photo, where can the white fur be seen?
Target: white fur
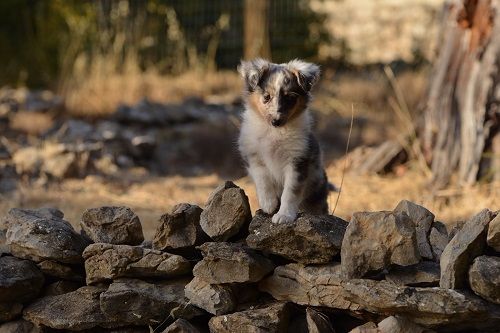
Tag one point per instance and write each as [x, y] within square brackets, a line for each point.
[271, 152]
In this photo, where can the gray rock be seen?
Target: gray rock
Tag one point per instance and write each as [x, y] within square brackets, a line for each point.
[4, 248]
[9, 311]
[398, 324]
[422, 218]
[60, 271]
[369, 327]
[310, 239]
[309, 285]
[318, 322]
[42, 234]
[493, 237]
[111, 224]
[20, 280]
[60, 287]
[423, 274]
[484, 278]
[229, 263]
[181, 326]
[19, 326]
[467, 244]
[179, 229]
[439, 239]
[216, 299]
[271, 318]
[135, 302]
[436, 308]
[107, 261]
[226, 211]
[374, 241]
[75, 311]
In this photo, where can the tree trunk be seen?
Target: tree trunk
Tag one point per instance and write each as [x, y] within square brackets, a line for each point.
[256, 43]
[462, 110]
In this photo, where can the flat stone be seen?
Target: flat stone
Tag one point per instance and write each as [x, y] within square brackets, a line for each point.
[181, 326]
[435, 308]
[136, 302]
[310, 239]
[179, 229]
[107, 261]
[422, 219]
[111, 224]
[493, 237]
[271, 318]
[484, 278]
[20, 280]
[423, 274]
[42, 234]
[309, 285]
[398, 324]
[439, 239]
[468, 243]
[229, 263]
[9, 311]
[75, 311]
[19, 326]
[375, 241]
[60, 271]
[216, 299]
[226, 211]
[318, 322]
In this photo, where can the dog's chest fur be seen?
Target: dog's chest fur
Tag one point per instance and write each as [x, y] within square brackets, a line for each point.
[275, 148]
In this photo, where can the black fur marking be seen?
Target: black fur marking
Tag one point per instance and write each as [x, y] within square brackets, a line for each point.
[310, 158]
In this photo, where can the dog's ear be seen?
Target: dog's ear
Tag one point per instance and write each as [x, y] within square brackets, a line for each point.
[252, 71]
[307, 73]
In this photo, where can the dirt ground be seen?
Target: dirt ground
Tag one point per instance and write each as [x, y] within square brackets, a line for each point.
[152, 197]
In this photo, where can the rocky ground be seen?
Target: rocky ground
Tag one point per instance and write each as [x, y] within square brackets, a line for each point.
[219, 268]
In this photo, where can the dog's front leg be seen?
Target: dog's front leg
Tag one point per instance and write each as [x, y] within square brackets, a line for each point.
[266, 189]
[290, 198]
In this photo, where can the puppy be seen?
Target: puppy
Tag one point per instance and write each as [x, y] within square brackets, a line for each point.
[276, 141]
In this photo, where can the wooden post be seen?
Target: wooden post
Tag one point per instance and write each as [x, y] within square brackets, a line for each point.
[462, 109]
[256, 29]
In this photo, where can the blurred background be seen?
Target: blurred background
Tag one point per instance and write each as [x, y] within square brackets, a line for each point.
[137, 103]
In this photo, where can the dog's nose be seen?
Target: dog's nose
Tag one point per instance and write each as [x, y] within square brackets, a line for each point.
[276, 122]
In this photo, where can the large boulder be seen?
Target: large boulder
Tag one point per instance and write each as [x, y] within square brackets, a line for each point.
[493, 237]
[468, 243]
[484, 278]
[375, 241]
[216, 299]
[422, 219]
[229, 263]
[107, 261]
[111, 224]
[310, 239]
[42, 234]
[226, 211]
[179, 229]
[75, 311]
[272, 318]
[136, 302]
[20, 280]
[423, 274]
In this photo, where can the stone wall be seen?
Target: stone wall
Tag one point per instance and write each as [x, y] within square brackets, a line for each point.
[220, 269]
[379, 31]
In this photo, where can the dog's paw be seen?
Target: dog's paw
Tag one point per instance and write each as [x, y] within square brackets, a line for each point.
[283, 218]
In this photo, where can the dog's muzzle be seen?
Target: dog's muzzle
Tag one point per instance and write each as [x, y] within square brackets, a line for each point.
[277, 122]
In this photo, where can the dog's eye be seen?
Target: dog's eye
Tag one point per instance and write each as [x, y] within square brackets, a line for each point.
[266, 98]
[290, 98]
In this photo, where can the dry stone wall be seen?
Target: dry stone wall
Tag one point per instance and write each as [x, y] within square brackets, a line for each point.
[219, 269]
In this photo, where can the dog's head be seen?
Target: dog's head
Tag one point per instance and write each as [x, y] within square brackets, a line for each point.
[278, 92]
